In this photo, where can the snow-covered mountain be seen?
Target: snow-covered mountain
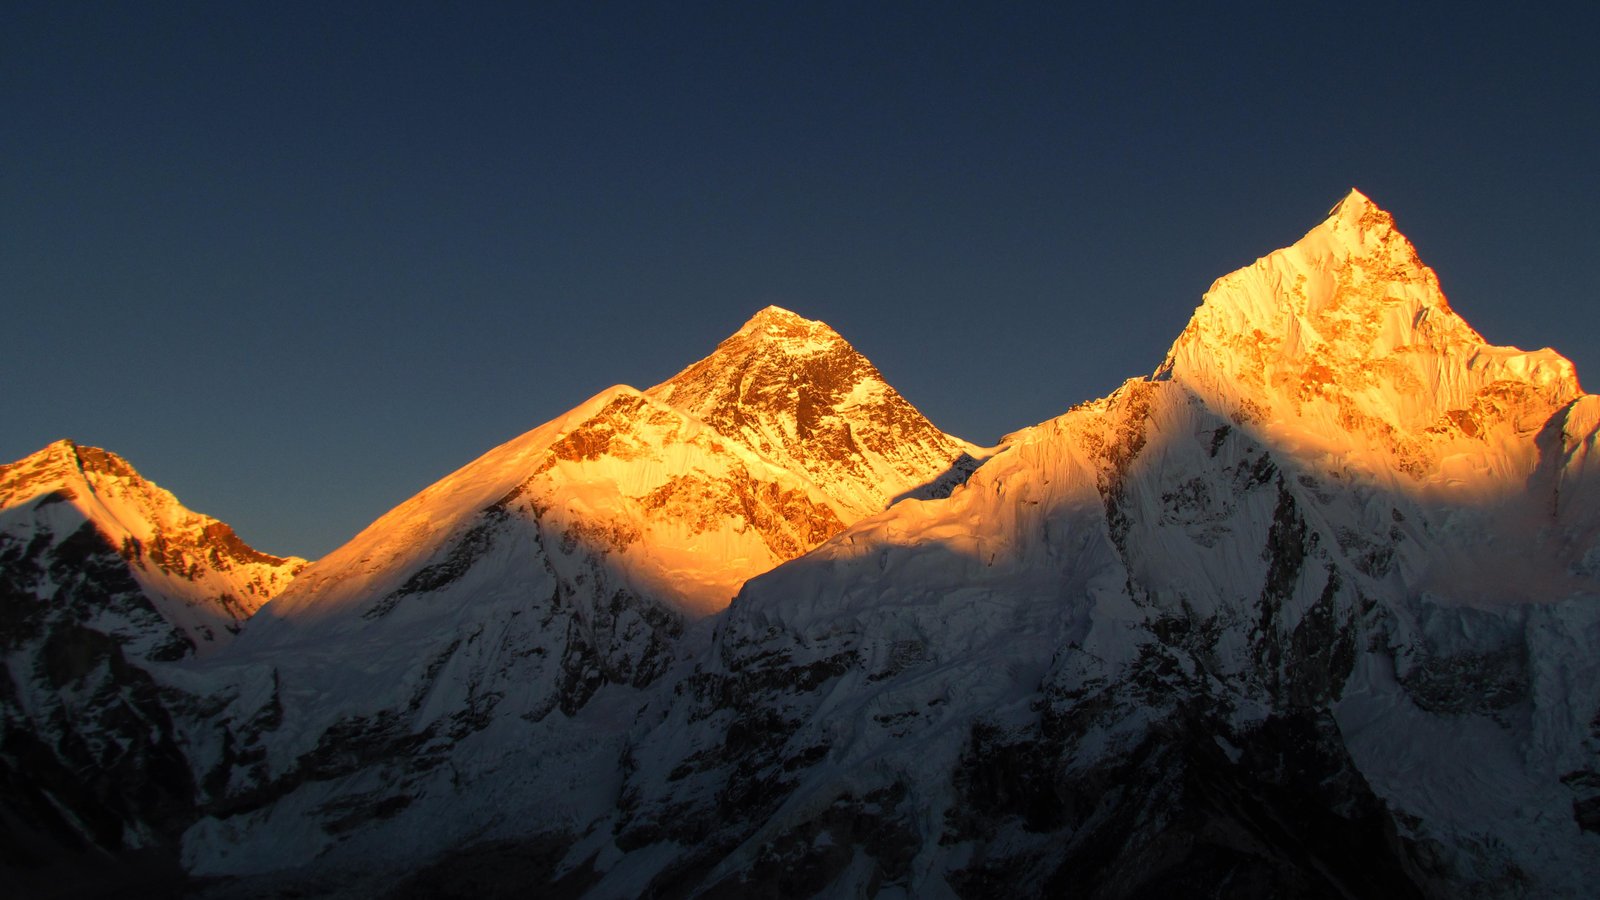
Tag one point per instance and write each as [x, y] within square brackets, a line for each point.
[505, 597]
[795, 392]
[105, 580]
[747, 458]
[1313, 610]
[196, 581]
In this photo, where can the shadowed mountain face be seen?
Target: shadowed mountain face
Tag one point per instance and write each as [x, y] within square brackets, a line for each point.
[105, 582]
[1312, 611]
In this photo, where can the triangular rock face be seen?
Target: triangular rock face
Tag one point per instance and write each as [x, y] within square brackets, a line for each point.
[794, 391]
[1345, 342]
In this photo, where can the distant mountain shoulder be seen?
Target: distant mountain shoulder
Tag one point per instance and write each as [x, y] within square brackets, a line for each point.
[108, 586]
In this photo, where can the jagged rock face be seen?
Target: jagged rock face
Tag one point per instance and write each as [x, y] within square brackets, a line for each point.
[106, 583]
[192, 569]
[1345, 340]
[796, 392]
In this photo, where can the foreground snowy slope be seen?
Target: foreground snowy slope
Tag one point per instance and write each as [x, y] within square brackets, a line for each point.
[106, 582]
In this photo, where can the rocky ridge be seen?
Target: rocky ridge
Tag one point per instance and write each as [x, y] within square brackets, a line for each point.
[194, 571]
[794, 391]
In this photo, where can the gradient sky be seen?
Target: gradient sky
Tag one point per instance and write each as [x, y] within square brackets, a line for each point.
[297, 261]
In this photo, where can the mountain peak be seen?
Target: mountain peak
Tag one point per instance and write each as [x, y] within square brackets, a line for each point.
[773, 342]
[775, 315]
[55, 455]
[1362, 228]
[794, 390]
[792, 332]
[60, 464]
[1354, 202]
[190, 571]
[1347, 330]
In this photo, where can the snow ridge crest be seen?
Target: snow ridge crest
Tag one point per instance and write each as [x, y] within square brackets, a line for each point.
[1347, 331]
[198, 574]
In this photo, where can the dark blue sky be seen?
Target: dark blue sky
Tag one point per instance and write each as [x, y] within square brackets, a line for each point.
[297, 261]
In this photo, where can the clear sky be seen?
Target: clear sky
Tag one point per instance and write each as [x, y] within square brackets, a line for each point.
[297, 261]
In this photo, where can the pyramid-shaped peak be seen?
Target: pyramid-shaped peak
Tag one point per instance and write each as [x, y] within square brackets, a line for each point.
[772, 314]
[1360, 225]
[62, 459]
[773, 339]
[775, 321]
[1353, 285]
[64, 451]
[1354, 203]
[1350, 324]
[795, 391]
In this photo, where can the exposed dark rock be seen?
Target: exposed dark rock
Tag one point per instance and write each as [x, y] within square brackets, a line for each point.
[1285, 815]
[1586, 804]
[502, 869]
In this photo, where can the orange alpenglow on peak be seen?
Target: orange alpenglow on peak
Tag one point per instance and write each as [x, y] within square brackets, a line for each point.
[1345, 341]
[775, 313]
[777, 321]
[56, 464]
[1354, 201]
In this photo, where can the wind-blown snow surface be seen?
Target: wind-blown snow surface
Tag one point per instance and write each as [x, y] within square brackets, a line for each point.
[1311, 611]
